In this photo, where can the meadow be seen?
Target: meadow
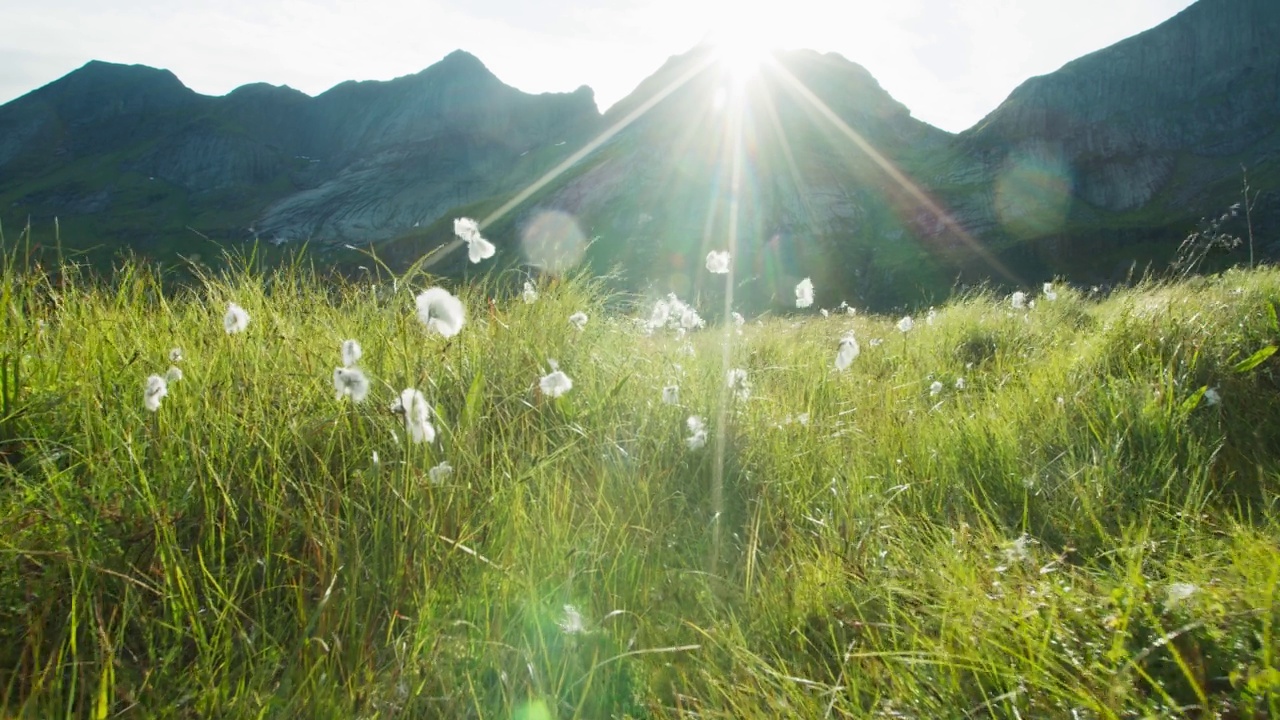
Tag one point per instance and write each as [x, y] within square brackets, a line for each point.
[1063, 508]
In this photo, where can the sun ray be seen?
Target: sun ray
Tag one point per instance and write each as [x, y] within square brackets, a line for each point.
[576, 157]
[890, 169]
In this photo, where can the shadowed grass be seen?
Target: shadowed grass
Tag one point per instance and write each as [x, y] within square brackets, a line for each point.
[1072, 531]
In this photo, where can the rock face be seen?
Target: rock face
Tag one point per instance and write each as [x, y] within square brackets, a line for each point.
[808, 169]
[113, 145]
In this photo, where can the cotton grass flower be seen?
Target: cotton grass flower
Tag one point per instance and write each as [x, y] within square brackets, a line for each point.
[440, 311]
[173, 374]
[906, 324]
[736, 380]
[671, 395]
[530, 295]
[690, 320]
[1212, 397]
[1177, 593]
[697, 433]
[155, 390]
[847, 352]
[440, 473]
[555, 383]
[175, 355]
[1018, 300]
[468, 231]
[350, 382]
[578, 320]
[1049, 293]
[572, 623]
[351, 353]
[416, 414]
[935, 389]
[718, 261]
[804, 293]
[236, 320]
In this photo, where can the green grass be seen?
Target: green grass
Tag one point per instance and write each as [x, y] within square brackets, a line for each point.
[1011, 549]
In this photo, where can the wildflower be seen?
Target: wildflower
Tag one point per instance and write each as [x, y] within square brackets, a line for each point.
[555, 383]
[736, 379]
[1018, 300]
[738, 320]
[698, 433]
[933, 315]
[530, 295]
[175, 355]
[572, 623]
[1178, 592]
[351, 353]
[804, 293]
[661, 311]
[825, 312]
[847, 352]
[1049, 293]
[690, 320]
[174, 374]
[578, 320]
[803, 419]
[1212, 397]
[718, 262]
[236, 320]
[417, 415]
[440, 311]
[1016, 550]
[906, 324]
[935, 389]
[349, 381]
[469, 232]
[155, 391]
[440, 472]
[960, 383]
[875, 342]
[671, 395]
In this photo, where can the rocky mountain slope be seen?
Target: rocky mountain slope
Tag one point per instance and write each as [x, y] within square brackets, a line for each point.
[127, 154]
[812, 167]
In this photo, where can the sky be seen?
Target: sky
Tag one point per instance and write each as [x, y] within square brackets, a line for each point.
[949, 61]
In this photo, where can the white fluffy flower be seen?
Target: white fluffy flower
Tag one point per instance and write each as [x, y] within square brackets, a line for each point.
[738, 320]
[847, 352]
[417, 415]
[555, 383]
[1177, 593]
[236, 320]
[825, 312]
[1018, 300]
[1049, 293]
[931, 317]
[350, 382]
[351, 353]
[175, 355]
[804, 293]
[440, 473]
[155, 391]
[697, 433]
[174, 374]
[718, 261]
[1212, 397]
[736, 380]
[671, 395]
[690, 320]
[468, 231]
[906, 324]
[530, 295]
[440, 311]
[960, 383]
[578, 319]
[661, 311]
[935, 388]
[572, 623]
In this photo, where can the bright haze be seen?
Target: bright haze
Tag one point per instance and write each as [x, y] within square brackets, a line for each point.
[949, 61]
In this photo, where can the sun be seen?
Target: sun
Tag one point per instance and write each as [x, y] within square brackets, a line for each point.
[742, 46]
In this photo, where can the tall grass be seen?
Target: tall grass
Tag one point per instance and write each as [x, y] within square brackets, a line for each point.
[1075, 533]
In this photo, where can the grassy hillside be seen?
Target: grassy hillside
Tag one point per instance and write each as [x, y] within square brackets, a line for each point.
[1079, 520]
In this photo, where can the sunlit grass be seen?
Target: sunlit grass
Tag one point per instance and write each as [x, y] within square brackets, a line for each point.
[1066, 529]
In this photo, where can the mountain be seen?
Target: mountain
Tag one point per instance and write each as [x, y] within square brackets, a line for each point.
[1083, 173]
[129, 155]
